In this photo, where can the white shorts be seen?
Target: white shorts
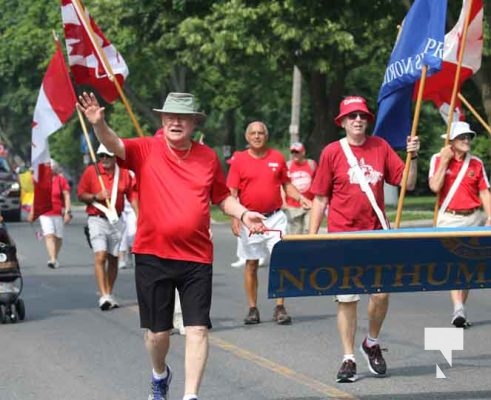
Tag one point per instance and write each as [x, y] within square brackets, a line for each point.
[52, 225]
[129, 232]
[104, 236]
[257, 246]
[347, 298]
[350, 298]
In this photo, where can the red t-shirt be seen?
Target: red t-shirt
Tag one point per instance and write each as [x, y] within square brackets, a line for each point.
[89, 183]
[58, 185]
[349, 207]
[301, 176]
[174, 198]
[474, 181]
[258, 180]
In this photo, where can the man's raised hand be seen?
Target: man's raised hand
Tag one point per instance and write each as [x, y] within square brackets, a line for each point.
[88, 104]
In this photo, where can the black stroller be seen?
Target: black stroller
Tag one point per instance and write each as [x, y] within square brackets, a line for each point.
[12, 307]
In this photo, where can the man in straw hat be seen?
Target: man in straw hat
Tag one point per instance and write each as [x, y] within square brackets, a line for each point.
[463, 185]
[350, 169]
[177, 179]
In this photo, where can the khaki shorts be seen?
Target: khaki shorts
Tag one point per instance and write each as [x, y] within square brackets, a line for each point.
[298, 220]
[104, 236]
[455, 221]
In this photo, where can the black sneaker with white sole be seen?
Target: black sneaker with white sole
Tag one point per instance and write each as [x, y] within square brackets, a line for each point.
[459, 319]
[375, 360]
[347, 372]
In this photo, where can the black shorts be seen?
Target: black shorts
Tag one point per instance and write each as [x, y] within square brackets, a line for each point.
[156, 280]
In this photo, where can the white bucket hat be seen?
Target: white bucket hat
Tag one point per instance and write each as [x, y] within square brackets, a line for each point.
[459, 128]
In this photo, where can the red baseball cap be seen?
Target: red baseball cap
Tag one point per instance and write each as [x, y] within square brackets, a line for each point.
[351, 104]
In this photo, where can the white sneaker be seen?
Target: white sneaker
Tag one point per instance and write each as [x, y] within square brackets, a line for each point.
[112, 300]
[239, 263]
[262, 262]
[53, 264]
[105, 302]
[179, 324]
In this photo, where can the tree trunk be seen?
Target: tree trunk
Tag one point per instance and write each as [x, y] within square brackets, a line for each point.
[325, 108]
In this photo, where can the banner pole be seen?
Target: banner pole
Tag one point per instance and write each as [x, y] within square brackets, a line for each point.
[475, 113]
[414, 130]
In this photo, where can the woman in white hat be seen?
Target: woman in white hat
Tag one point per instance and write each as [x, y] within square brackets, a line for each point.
[461, 179]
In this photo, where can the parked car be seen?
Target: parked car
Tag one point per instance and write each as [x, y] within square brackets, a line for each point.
[10, 205]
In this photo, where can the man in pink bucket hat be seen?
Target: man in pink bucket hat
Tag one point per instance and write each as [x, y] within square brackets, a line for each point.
[351, 176]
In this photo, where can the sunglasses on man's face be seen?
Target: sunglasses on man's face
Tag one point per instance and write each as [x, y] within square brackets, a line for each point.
[354, 115]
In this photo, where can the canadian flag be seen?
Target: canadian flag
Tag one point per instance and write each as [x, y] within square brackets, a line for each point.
[54, 106]
[438, 87]
[87, 65]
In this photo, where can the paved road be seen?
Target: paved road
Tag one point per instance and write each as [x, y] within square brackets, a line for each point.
[68, 349]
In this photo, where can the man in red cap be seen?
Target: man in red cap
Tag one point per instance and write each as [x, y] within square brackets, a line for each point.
[301, 171]
[351, 176]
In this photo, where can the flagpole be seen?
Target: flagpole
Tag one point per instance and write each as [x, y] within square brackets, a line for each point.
[455, 90]
[105, 63]
[475, 113]
[84, 130]
[92, 154]
[414, 129]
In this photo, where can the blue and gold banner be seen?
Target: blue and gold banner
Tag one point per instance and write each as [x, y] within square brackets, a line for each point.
[403, 260]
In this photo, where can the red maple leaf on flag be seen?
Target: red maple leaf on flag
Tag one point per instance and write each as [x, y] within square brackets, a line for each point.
[83, 56]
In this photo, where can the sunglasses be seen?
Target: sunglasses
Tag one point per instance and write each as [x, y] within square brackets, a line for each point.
[464, 136]
[354, 115]
[102, 155]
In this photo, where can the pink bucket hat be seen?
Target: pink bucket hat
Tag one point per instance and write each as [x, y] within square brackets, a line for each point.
[351, 104]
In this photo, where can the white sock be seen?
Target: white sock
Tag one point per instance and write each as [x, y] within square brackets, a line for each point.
[190, 397]
[158, 376]
[458, 306]
[371, 341]
[349, 357]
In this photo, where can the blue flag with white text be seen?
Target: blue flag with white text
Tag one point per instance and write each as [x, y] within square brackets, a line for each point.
[420, 42]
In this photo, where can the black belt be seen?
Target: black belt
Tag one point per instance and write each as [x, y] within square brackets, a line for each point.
[267, 215]
[470, 211]
[98, 216]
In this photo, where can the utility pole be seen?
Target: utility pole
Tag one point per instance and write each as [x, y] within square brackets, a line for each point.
[296, 99]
